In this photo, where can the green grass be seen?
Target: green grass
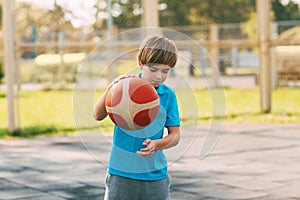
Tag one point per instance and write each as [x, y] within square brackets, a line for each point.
[244, 106]
[41, 113]
[51, 113]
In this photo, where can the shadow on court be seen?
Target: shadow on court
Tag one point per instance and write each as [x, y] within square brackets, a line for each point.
[249, 161]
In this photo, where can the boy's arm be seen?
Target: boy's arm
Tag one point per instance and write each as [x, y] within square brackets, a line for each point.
[172, 139]
[99, 109]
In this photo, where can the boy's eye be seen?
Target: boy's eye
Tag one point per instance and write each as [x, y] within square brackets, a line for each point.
[153, 69]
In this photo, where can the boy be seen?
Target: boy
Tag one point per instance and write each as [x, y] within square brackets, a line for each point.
[137, 167]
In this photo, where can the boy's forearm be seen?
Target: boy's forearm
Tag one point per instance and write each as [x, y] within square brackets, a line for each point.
[99, 109]
[172, 139]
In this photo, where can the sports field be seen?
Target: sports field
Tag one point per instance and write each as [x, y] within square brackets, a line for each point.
[51, 112]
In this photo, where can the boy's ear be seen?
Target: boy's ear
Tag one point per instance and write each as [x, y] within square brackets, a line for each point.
[140, 63]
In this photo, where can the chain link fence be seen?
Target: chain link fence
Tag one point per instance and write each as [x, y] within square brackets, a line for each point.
[53, 52]
[236, 44]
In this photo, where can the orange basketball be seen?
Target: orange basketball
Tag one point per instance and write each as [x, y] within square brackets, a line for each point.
[132, 103]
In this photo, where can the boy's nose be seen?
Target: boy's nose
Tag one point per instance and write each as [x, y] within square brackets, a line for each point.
[159, 74]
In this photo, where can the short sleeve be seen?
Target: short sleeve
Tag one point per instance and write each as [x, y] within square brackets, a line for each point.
[173, 118]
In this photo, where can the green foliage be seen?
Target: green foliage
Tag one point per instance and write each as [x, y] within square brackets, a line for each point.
[249, 27]
[128, 17]
[1, 71]
[176, 14]
[128, 14]
[1, 15]
[180, 13]
[54, 71]
[289, 11]
[226, 11]
[1, 67]
[33, 131]
[28, 14]
[201, 12]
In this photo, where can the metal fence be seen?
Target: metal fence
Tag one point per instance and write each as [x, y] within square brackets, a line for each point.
[236, 50]
[232, 48]
[231, 31]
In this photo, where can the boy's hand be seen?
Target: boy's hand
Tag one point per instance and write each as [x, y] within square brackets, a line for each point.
[123, 76]
[149, 150]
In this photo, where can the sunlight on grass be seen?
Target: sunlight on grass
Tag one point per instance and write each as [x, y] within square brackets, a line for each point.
[48, 113]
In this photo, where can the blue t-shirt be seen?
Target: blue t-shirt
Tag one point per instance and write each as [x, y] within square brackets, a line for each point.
[125, 162]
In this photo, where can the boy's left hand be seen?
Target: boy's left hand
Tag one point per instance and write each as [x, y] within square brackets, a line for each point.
[149, 150]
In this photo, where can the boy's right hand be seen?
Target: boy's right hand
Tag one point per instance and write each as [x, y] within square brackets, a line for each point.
[116, 80]
[99, 108]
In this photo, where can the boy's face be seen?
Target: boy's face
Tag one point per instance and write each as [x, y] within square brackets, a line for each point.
[155, 74]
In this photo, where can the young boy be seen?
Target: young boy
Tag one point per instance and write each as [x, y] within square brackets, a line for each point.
[137, 167]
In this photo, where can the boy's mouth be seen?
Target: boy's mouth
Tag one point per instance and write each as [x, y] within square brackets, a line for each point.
[156, 83]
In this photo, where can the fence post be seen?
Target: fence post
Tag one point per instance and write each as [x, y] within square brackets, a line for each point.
[111, 57]
[203, 61]
[9, 62]
[150, 17]
[263, 20]
[214, 53]
[235, 59]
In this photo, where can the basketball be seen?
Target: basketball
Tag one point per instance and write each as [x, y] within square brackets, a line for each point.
[132, 103]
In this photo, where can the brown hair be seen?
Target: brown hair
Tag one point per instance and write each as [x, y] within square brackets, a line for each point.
[157, 50]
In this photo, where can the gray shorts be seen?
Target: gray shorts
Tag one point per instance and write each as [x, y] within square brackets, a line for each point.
[120, 188]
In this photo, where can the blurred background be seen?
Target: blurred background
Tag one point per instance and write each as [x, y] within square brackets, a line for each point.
[54, 37]
[61, 26]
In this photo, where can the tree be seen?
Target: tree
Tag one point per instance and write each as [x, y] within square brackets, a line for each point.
[250, 26]
[1, 15]
[279, 10]
[176, 14]
[199, 12]
[227, 11]
[282, 12]
[127, 14]
[48, 23]
[293, 11]
[1, 69]
[1, 56]
[184, 13]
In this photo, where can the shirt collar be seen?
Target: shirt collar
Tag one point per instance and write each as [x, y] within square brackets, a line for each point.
[159, 89]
